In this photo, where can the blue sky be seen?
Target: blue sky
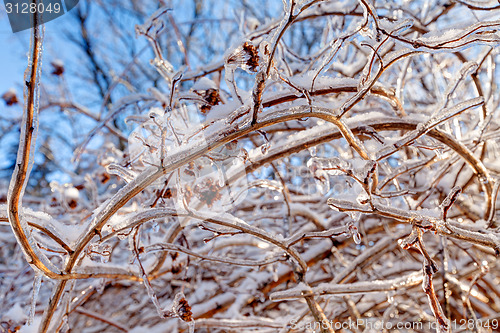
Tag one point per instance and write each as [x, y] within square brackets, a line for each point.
[12, 55]
[14, 48]
[13, 62]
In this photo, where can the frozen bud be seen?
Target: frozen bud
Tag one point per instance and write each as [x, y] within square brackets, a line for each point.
[265, 147]
[246, 56]
[363, 198]
[356, 237]
[265, 49]
[243, 154]
[208, 192]
[211, 98]
[57, 67]
[104, 177]
[252, 23]
[10, 97]
[182, 308]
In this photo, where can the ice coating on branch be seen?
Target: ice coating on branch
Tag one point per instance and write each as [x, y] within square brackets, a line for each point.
[451, 112]
[107, 208]
[335, 47]
[346, 205]
[153, 25]
[460, 39]
[396, 27]
[31, 92]
[116, 169]
[190, 176]
[305, 80]
[37, 282]
[484, 4]
[423, 128]
[333, 166]
[362, 287]
[99, 252]
[467, 69]
[154, 299]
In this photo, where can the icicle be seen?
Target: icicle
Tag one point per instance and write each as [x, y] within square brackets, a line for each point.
[274, 271]
[155, 227]
[243, 154]
[353, 230]
[390, 296]
[265, 147]
[37, 282]
[131, 245]
[64, 324]
[229, 78]
[368, 169]
[191, 326]
[105, 253]
[355, 215]
[362, 198]
[153, 297]
[220, 174]
[101, 285]
[323, 184]
[131, 259]
[274, 76]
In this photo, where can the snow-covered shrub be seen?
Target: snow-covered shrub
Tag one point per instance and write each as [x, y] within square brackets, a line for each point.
[335, 169]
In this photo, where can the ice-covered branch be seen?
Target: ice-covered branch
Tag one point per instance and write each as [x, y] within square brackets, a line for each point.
[450, 228]
[404, 282]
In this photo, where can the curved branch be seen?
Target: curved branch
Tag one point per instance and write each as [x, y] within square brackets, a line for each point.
[24, 158]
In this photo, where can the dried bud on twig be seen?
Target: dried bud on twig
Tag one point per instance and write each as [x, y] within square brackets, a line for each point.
[57, 67]
[246, 56]
[10, 97]
[208, 192]
[211, 97]
[182, 308]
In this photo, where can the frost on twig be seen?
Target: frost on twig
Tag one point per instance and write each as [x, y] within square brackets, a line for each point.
[268, 186]
[351, 288]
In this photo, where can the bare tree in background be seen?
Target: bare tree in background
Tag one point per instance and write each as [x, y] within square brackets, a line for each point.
[275, 167]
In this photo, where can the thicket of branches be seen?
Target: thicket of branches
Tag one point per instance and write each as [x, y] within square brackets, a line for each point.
[277, 167]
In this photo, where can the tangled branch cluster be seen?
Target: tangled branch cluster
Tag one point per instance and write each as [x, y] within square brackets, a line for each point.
[277, 188]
